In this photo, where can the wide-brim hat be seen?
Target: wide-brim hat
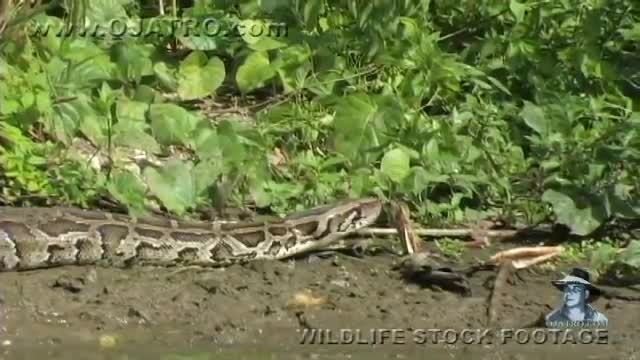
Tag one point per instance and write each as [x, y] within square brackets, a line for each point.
[578, 276]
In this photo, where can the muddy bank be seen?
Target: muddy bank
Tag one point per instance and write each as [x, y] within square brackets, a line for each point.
[265, 304]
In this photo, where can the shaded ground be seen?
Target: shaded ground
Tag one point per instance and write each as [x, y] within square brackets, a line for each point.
[263, 305]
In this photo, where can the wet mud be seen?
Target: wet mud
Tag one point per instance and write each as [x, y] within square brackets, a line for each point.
[267, 304]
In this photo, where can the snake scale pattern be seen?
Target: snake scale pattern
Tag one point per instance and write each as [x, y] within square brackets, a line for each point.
[33, 238]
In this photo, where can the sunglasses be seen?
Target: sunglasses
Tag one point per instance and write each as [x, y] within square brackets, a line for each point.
[574, 288]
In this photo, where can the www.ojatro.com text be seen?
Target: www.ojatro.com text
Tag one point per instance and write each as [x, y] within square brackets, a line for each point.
[181, 27]
[452, 336]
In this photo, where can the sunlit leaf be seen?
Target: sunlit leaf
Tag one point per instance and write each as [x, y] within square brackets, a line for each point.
[395, 164]
[254, 72]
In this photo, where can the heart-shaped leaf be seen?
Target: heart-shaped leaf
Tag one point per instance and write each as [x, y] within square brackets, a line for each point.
[254, 72]
[201, 77]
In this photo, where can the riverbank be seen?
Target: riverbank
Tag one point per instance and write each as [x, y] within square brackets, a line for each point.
[266, 304]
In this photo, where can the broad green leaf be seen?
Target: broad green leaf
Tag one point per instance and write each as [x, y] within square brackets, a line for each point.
[173, 185]
[499, 85]
[103, 11]
[353, 128]
[67, 117]
[582, 221]
[145, 94]
[206, 144]
[260, 35]
[395, 164]
[232, 149]
[197, 80]
[133, 61]
[205, 174]
[195, 58]
[261, 197]
[293, 67]
[88, 67]
[535, 118]
[518, 10]
[127, 188]
[421, 179]
[166, 76]
[254, 72]
[603, 256]
[95, 128]
[131, 110]
[311, 12]
[202, 43]
[632, 34]
[171, 124]
[631, 255]
[133, 134]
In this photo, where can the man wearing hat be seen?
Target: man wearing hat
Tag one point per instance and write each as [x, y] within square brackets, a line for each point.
[575, 312]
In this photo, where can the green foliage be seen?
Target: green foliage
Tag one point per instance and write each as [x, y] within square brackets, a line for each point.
[464, 109]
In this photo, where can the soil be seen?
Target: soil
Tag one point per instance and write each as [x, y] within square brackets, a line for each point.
[265, 304]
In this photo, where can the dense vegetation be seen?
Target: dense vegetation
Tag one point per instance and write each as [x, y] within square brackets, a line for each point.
[468, 109]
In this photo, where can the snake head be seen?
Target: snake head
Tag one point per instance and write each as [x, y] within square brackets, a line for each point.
[354, 215]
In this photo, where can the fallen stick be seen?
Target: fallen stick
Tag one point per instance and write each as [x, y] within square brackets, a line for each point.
[439, 232]
[496, 293]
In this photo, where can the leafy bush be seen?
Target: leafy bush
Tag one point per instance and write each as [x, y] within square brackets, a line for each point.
[465, 109]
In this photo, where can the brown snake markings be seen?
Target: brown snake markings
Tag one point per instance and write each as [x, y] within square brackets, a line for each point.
[32, 238]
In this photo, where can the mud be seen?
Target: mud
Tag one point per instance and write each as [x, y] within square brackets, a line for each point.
[253, 310]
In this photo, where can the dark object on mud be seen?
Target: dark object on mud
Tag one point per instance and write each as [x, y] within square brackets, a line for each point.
[70, 284]
[423, 269]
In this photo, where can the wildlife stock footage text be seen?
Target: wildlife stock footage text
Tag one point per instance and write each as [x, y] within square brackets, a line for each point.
[432, 336]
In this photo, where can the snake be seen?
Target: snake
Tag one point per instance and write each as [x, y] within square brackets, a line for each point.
[44, 237]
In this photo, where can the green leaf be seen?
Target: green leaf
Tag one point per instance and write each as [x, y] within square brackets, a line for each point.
[233, 151]
[206, 144]
[95, 128]
[253, 73]
[632, 34]
[631, 255]
[620, 205]
[205, 174]
[173, 185]
[67, 117]
[352, 124]
[102, 11]
[133, 134]
[259, 35]
[517, 9]
[131, 110]
[582, 221]
[171, 124]
[535, 118]
[133, 61]
[202, 43]
[166, 76]
[603, 256]
[198, 80]
[127, 188]
[395, 164]
[145, 94]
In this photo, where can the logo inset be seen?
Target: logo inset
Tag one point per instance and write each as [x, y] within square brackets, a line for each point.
[575, 311]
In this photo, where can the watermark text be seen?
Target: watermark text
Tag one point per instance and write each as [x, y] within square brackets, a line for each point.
[162, 27]
[383, 336]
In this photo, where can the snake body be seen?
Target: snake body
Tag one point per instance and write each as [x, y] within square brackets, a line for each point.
[32, 238]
